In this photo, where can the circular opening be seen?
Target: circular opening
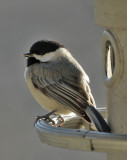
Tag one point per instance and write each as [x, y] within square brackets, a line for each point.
[113, 59]
[109, 60]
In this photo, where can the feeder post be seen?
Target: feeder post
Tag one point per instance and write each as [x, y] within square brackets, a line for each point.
[112, 14]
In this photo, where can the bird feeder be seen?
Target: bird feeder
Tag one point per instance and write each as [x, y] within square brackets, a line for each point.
[76, 134]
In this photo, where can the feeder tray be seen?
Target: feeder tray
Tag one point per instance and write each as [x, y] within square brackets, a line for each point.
[78, 135]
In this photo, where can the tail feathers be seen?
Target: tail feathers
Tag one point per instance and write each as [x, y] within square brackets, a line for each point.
[97, 119]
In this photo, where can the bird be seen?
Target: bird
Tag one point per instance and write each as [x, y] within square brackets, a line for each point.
[59, 84]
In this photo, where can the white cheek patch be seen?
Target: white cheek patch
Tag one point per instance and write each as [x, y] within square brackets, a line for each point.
[51, 55]
[45, 58]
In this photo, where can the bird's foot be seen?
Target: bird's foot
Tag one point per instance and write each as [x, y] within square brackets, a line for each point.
[60, 120]
[47, 118]
[57, 122]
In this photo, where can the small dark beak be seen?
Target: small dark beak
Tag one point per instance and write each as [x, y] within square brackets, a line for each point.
[27, 54]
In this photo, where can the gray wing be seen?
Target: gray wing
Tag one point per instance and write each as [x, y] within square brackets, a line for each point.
[64, 91]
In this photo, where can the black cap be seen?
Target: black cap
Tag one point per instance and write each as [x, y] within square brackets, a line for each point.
[45, 46]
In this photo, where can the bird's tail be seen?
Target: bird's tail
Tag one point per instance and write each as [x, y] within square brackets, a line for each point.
[97, 119]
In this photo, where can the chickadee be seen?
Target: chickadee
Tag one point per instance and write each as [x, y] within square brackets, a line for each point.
[58, 82]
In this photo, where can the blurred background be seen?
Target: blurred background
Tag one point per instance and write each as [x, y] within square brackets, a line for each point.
[22, 23]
